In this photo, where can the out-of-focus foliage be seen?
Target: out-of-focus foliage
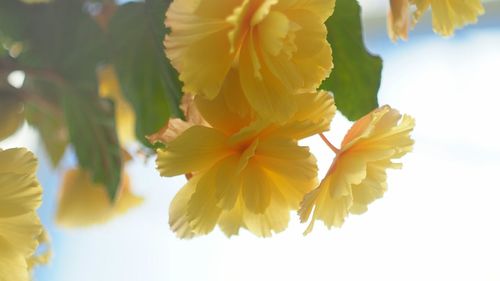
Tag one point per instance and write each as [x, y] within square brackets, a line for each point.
[60, 45]
[149, 81]
[356, 74]
[11, 114]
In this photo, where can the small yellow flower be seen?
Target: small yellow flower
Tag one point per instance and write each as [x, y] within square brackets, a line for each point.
[248, 173]
[109, 87]
[20, 228]
[447, 15]
[84, 203]
[357, 176]
[278, 48]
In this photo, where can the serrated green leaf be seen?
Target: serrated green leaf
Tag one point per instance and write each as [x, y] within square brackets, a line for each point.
[148, 80]
[91, 127]
[356, 75]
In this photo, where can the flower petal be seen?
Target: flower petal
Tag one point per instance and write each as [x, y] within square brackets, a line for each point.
[256, 188]
[314, 116]
[178, 220]
[202, 211]
[196, 149]
[198, 45]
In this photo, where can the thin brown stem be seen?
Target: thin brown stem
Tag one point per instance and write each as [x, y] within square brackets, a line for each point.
[329, 144]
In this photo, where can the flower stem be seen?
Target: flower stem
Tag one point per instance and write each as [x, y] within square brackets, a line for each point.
[329, 144]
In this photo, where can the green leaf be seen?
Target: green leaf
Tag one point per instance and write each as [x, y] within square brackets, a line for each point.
[356, 75]
[11, 113]
[148, 80]
[91, 127]
[48, 119]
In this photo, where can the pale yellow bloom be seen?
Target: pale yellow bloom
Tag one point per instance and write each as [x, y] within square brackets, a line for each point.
[448, 15]
[277, 47]
[357, 176]
[398, 20]
[83, 202]
[109, 87]
[20, 196]
[248, 173]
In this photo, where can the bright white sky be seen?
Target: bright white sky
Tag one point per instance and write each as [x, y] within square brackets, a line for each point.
[438, 221]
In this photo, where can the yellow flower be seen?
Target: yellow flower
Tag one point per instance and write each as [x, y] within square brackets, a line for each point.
[277, 47]
[20, 196]
[109, 87]
[397, 20]
[357, 176]
[83, 202]
[449, 14]
[248, 173]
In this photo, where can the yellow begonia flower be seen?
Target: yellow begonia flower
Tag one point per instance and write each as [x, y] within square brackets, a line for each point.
[357, 176]
[176, 126]
[398, 20]
[109, 87]
[20, 228]
[248, 173]
[84, 203]
[447, 15]
[278, 48]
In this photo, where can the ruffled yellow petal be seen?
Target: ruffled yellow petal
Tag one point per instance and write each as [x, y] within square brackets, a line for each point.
[292, 168]
[109, 87]
[202, 210]
[321, 8]
[83, 202]
[13, 264]
[278, 48]
[178, 220]
[314, 116]
[448, 15]
[256, 188]
[398, 20]
[20, 196]
[229, 111]
[273, 220]
[196, 149]
[357, 176]
[198, 44]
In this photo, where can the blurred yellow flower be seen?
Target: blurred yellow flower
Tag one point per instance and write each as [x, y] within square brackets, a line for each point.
[278, 48]
[357, 176]
[447, 15]
[84, 203]
[398, 20]
[109, 87]
[20, 228]
[248, 173]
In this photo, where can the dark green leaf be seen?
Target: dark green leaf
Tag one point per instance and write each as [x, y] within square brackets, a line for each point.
[148, 80]
[356, 75]
[91, 126]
